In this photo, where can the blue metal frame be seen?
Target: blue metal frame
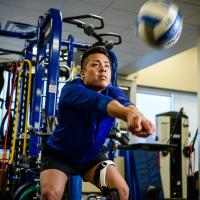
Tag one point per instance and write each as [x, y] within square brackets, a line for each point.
[77, 45]
[70, 51]
[51, 23]
[54, 61]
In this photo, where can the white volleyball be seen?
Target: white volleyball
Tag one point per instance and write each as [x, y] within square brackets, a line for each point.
[159, 24]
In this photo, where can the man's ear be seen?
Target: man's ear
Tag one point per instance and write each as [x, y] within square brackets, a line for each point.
[82, 74]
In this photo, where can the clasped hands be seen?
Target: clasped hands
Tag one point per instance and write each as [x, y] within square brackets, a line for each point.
[138, 124]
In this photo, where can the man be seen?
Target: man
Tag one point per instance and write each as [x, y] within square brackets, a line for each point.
[87, 108]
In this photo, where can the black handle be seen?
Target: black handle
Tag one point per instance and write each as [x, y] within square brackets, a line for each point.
[75, 20]
[122, 138]
[107, 43]
[114, 35]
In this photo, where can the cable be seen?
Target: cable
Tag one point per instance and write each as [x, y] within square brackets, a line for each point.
[6, 135]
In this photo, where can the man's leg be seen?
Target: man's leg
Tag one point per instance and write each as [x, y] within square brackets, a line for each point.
[52, 182]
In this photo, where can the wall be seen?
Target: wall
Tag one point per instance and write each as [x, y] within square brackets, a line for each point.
[198, 56]
[178, 73]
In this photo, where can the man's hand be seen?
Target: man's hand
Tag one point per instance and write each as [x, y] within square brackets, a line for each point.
[136, 122]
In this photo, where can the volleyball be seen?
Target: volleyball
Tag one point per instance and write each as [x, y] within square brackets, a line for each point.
[159, 24]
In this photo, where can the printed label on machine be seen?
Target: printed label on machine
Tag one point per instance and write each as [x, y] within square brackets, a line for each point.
[52, 88]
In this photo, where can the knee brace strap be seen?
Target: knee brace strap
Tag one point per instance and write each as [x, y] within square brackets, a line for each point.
[100, 173]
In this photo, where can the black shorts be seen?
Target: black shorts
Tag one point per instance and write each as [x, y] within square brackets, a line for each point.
[52, 160]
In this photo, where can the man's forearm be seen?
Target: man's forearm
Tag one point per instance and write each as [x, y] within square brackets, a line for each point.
[117, 110]
[136, 122]
[134, 109]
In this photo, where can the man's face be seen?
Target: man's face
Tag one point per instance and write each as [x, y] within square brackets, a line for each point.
[96, 72]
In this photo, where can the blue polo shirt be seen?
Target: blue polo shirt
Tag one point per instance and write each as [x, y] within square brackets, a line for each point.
[83, 122]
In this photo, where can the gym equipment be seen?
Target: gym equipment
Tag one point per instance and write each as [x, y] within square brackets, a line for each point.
[159, 24]
[143, 169]
[22, 31]
[172, 128]
[192, 188]
[20, 100]
[31, 188]
[89, 30]
[6, 125]
[49, 37]
[8, 116]
[27, 191]
[7, 119]
[21, 87]
[148, 147]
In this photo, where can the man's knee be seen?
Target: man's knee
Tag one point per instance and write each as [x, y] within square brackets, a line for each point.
[120, 192]
[51, 193]
[123, 191]
[52, 183]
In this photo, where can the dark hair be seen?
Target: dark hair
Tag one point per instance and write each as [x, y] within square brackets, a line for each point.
[93, 50]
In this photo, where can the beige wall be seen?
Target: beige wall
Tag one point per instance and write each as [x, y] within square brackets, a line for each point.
[198, 56]
[178, 72]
